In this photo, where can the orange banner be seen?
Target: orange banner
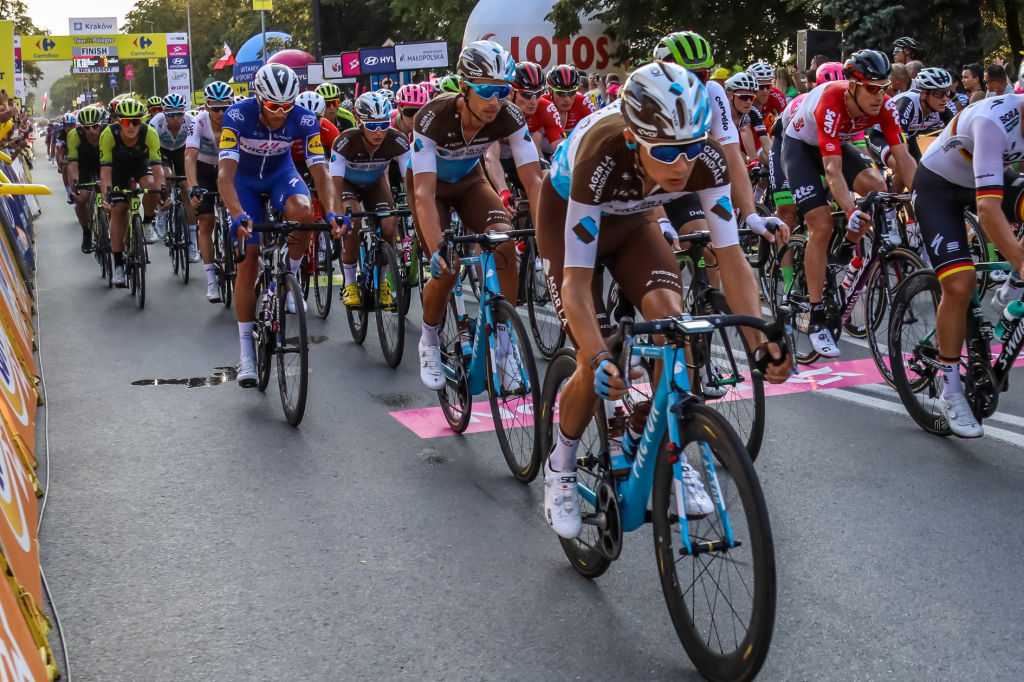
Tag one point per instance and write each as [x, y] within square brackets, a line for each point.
[21, 656]
[18, 521]
[17, 327]
[18, 406]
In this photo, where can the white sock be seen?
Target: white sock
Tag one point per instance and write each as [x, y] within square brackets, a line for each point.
[211, 275]
[245, 338]
[295, 266]
[890, 216]
[67, 189]
[192, 234]
[951, 375]
[350, 273]
[563, 457]
[429, 337]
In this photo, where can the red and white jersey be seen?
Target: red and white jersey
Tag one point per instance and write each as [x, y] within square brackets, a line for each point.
[581, 108]
[822, 119]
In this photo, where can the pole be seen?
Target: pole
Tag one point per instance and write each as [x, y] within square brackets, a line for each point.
[263, 26]
[317, 51]
[188, 17]
[154, 68]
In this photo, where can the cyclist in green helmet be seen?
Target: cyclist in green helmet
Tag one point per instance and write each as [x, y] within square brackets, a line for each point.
[333, 112]
[451, 84]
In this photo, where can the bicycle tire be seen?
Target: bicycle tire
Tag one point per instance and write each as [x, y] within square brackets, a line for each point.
[540, 309]
[455, 398]
[977, 245]
[226, 259]
[304, 278]
[580, 551]
[905, 262]
[741, 660]
[514, 424]
[139, 261]
[175, 239]
[103, 246]
[186, 261]
[324, 274]
[745, 415]
[390, 320]
[263, 341]
[909, 385]
[292, 375]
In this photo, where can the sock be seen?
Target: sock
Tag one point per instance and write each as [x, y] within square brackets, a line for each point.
[951, 375]
[350, 273]
[148, 220]
[211, 274]
[787, 277]
[817, 314]
[245, 338]
[429, 337]
[67, 190]
[563, 457]
[118, 260]
[295, 265]
[890, 217]
[758, 193]
[192, 234]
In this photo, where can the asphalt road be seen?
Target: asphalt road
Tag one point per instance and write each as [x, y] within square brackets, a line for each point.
[191, 534]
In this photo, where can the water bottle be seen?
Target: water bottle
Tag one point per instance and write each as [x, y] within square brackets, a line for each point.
[615, 412]
[852, 270]
[913, 233]
[407, 250]
[1013, 312]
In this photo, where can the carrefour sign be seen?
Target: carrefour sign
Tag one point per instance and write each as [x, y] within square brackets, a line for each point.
[78, 26]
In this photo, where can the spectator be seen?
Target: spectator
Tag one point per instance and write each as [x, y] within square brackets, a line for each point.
[584, 82]
[720, 76]
[612, 92]
[596, 93]
[958, 97]
[914, 67]
[900, 79]
[812, 76]
[972, 74]
[785, 84]
[995, 80]
[820, 59]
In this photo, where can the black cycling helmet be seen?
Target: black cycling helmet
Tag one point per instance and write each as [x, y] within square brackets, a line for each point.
[563, 77]
[529, 76]
[867, 65]
[906, 44]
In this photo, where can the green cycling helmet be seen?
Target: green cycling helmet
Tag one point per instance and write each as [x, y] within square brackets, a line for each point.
[328, 91]
[685, 49]
[130, 108]
[451, 84]
[89, 116]
[155, 101]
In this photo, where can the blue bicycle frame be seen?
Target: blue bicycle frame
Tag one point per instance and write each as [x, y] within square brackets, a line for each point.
[634, 491]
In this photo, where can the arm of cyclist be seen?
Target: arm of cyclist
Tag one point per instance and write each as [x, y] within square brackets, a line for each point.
[749, 146]
[73, 142]
[325, 193]
[766, 145]
[194, 194]
[106, 158]
[988, 183]
[227, 166]
[528, 166]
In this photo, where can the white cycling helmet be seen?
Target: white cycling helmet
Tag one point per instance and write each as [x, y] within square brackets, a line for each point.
[764, 73]
[741, 81]
[486, 59]
[312, 101]
[372, 106]
[388, 95]
[934, 78]
[663, 101]
[276, 83]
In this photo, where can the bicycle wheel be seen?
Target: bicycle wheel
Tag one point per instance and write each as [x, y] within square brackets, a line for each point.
[581, 552]
[548, 333]
[226, 263]
[389, 293]
[358, 315]
[103, 247]
[978, 245]
[884, 279]
[185, 243]
[912, 343]
[175, 239]
[722, 602]
[512, 409]
[139, 255]
[741, 403]
[324, 277]
[305, 277]
[455, 398]
[292, 351]
[798, 299]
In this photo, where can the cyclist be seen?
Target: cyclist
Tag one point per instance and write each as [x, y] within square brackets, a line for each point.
[60, 145]
[818, 145]
[450, 84]
[359, 159]
[409, 100]
[966, 168]
[154, 105]
[452, 133]
[904, 50]
[84, 166]
[542, 117]
[255, 142]
[333, 111]
[602, 201]
[770, 101]
[129, 150]
[328, 133]
[172, 126]
[741, 90]
[572, 106]
[201, 171]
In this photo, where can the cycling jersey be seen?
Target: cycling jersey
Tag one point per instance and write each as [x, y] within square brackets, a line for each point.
[202, 137]
[62, 137]
[344, 120]
[546, 121]
[350, 158]
[596, 172]
[163, 131]
[396, 123]
[722, 127]
[113, 147]
[440, 147]
[912, 119]
[328, 133]
[823, 120]
[775, 105]
[581, 108]
[261, 152]
[754, 120]
[80, 150]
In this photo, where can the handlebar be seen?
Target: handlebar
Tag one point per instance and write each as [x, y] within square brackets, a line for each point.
[886, 199]
[486, 239]
[400, 212]
[287, 226]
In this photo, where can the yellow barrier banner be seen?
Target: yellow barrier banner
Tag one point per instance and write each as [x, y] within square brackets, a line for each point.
[18, 525]
[9, 269]
[21, 657]
[18, 403]
[7, 55]
[60, 48]
[14, 323]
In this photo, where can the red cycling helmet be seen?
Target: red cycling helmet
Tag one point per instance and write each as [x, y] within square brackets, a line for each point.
[412, 95]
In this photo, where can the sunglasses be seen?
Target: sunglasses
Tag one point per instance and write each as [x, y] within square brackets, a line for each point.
[332, 102]
[376, 126]
[130, 122]
[490, 91]
[174, 114]
[218, 110]
[702, 74]
[744, 98]
[941, 94]
[530, 94]
[670, 153]
[875, 89]
[155, 110]
[765, 87]
[93, 127]
[409, 112]
[564, 93]
[274, 106]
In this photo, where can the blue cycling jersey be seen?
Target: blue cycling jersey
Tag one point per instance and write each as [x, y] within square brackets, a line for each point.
[261, 152]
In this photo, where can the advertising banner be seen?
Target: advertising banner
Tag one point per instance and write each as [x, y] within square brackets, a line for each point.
[350, 64]
[7, 55]
[377, 60]
[244, 72]
[409, 56]
[17, 525]
[178, 62]
[78, 26]
[129, 46]
[19, 77]
[19, 656]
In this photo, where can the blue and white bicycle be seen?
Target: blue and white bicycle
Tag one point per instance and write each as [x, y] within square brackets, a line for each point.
[717, 571]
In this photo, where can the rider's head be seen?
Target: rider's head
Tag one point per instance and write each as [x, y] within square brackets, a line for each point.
[409, 100]
[529, 87]
[129, 115]
[219, 96]
[869, 72]
[487, 73]
[564, 82]
[689, 50]
[904, 50]
[936, 87]
[741, 90]
[155, 105]
[765, 76]
[276, 86]
[332, 99]
[174, 108]
[668, 116]
[373, 111]
[312, 101]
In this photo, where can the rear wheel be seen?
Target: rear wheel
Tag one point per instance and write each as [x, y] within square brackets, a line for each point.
[547, 330]
[981, 251]
[884, 279]
[323, 281]
[358, 315]
[455, 398]
[185, 244]
[263, 340]
[389, 293]
[292, 352]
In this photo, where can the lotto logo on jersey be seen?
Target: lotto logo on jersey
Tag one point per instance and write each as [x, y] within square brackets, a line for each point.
[829, 125]
[798, 124]
[314, 146]
[228, 139]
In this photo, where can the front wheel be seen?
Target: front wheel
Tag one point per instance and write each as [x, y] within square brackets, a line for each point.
[357, 316]
[323, 283]
[139, 256]
[292, 351]
[455, 399]
[722, 601]
[886, 276]
[547, 330]
[389, 304]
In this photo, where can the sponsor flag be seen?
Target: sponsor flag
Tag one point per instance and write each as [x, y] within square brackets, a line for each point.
[227, 60]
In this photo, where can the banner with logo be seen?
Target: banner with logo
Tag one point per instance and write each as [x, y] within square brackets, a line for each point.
[129, 45]
[199, 98]
[245, 72]
[350, 64]
[18, 523]
[19, 655]
[409, 56]
[7, 55]
[376, 60]
[81, 26]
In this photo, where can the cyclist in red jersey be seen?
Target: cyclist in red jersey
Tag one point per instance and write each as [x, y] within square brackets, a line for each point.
[572, 107]
[541, 114]
[328, 131]
[770, 102]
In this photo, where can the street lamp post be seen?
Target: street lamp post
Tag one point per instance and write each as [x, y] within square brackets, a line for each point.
[188, 16]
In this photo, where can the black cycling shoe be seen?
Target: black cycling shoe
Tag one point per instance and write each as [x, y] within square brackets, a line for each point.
[86, 241]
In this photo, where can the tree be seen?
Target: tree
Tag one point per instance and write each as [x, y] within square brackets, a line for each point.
[17, 11]
[435, 20]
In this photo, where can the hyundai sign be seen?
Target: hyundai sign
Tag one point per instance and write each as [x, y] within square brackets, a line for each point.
[377, 60]
[78, 26]
[411, 56]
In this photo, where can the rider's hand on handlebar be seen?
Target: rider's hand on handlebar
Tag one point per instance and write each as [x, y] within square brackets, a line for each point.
[857, 221]
[243, 229]
[195, 195]
[341, 225]
[506, 200]
[766, 227]
[608, 383]
[775, 374]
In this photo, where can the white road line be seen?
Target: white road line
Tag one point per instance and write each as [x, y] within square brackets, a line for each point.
[1001, 417]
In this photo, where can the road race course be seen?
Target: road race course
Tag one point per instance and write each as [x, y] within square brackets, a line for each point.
[192, 534]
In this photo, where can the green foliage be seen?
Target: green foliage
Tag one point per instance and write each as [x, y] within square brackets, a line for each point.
[435, 20]
[66, 88]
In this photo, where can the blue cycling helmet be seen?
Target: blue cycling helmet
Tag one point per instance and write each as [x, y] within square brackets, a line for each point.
[219, 92]
[174, 102]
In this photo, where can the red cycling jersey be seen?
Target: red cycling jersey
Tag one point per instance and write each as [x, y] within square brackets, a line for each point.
[546, 118]
[822, 119]
[581, 108]
[774, 106]
[328, 132]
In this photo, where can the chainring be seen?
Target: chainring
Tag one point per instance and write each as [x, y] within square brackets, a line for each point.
[980, 389]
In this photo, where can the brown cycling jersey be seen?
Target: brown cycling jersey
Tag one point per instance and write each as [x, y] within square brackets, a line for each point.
[350, 159]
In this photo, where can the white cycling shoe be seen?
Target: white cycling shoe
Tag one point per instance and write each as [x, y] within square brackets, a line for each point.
[149, 233]
[708, 386]
[698, 502]
[431, 370]
[823, 343]
[213, 292]
[289, 304]
[961, 420]
[247, 372]
[193, 254]
[118, 279]
[562, 502]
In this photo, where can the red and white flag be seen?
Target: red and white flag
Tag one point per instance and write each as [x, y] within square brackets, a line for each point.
[227, 60]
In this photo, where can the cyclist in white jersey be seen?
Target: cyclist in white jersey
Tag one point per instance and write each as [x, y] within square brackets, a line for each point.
[172, 126]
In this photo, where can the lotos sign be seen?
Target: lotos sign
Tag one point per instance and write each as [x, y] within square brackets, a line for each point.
[532, 38]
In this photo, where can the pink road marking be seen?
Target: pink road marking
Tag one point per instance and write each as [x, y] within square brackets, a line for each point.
[429, 422]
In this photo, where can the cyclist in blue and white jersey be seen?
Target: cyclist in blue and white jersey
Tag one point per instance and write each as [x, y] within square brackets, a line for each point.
[255, 159]
[172, 126]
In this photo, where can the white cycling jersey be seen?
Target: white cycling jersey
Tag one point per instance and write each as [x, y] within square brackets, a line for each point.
[722, 128]
[202, 137]
[168, 141]
[974, 148]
